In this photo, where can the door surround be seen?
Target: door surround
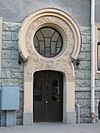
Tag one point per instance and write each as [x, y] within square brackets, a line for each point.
[62, 62]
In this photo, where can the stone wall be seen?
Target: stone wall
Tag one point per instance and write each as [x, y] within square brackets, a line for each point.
[83, 76]
[12, 72]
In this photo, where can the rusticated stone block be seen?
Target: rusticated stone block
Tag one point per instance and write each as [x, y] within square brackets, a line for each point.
[86, 39]
[85, 112]
[9, 26]
[97, 88]
[10, 63]
[6, 73]
[97, 82]
[14, 54]
[83, 83]
[85, 31]
[17, 75]
[10, 54]
[12, 82]
[86, 56]
[82, 89]
[97, 94]
[14, 36]
[6, 63]
[84, 103]
[8, 45]
[85, 120]
[6, 54]
[84, 65]
[86, 47]
[6, 36]
[83, 74]
[83, 95]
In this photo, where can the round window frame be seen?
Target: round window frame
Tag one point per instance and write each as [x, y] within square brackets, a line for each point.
[43, 17]
[55, 30]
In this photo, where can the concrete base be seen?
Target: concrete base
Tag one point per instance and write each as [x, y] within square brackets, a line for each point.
[69, 117]
[3, 118]
[8, 118]
[27, 118]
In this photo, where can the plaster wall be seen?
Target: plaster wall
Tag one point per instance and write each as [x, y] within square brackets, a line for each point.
[18, 10]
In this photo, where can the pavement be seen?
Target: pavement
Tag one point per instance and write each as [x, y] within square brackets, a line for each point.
[53, 128]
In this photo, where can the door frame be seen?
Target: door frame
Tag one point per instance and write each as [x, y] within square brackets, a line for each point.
[70, 33]
[69, 114]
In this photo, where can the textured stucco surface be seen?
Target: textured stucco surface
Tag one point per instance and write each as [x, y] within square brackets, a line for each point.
[18, 10]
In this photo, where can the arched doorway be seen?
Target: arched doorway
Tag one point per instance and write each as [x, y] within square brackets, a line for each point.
[48, 96]
[57, 56]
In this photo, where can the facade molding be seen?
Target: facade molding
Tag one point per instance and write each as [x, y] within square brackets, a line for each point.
[62, 62]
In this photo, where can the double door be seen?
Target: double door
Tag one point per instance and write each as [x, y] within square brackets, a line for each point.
[48, 96]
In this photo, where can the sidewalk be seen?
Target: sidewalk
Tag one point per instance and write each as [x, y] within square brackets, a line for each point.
[53, 128]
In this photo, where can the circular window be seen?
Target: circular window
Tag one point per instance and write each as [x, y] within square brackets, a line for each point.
[48, 42]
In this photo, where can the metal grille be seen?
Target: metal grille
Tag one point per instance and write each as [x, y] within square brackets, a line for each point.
[48, 42]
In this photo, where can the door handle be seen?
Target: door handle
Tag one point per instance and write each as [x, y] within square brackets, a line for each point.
[46, 101]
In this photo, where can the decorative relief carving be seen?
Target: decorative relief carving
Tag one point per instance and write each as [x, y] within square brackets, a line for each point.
[48, 21]
[37, 62]
[60, 62]
[71, 45]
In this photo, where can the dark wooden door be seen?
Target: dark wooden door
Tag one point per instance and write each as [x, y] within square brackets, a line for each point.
[48, 96]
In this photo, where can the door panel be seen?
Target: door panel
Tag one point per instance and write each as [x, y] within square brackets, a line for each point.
[48, 96]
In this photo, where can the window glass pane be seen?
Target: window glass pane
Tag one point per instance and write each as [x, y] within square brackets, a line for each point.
[47, 32]
[59, 42]
[41, 47]
[55, 90]
[37, 93]
[37, 85]
[48, 42]
[36, 41]
[47, 52]
[55, 36]
[53, 48]
[40, 35]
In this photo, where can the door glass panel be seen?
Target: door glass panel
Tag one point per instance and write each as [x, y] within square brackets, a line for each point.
[38, 92]
[55, 90]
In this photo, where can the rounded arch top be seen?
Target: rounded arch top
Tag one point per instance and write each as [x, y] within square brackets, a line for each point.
[53, 13]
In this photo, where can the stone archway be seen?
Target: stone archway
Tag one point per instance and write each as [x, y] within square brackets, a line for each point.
[62, 62]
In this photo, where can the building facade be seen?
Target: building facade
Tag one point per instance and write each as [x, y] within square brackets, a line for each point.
[45, 52]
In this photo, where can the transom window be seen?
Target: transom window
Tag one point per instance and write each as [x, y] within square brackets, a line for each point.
[48, 42]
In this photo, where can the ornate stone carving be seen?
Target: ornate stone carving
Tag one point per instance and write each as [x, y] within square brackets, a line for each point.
[62, 62]
[54, 18]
